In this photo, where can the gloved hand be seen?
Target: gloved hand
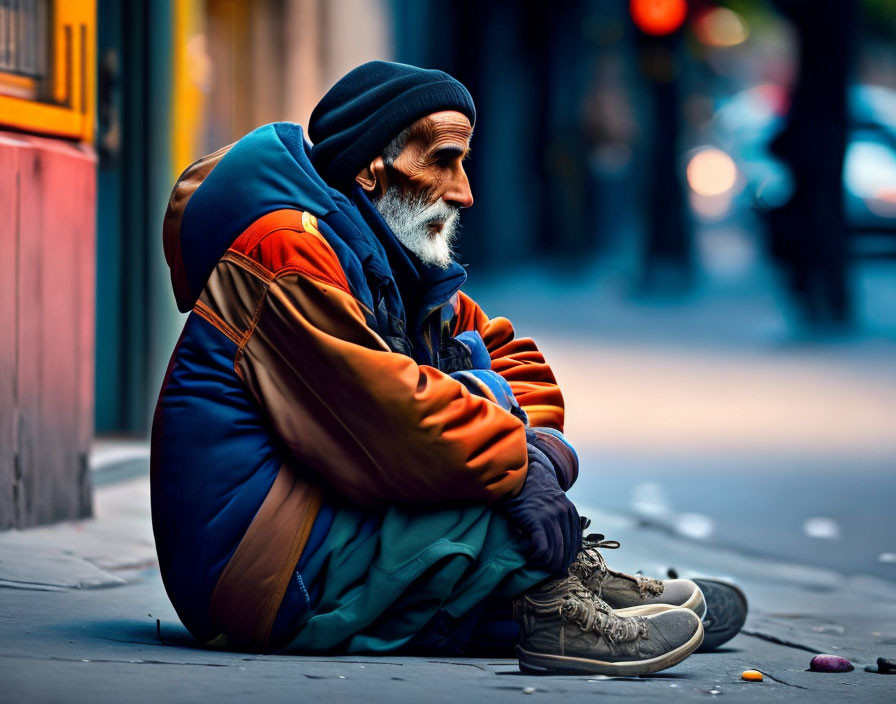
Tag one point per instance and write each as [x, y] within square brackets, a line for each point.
[491, 385]
[482, 381]
[542, 512]
[562, 455]
[479, 355]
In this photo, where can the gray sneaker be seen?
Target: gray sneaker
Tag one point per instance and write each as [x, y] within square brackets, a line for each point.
[623, 591]
[565, 628]
[726, 611]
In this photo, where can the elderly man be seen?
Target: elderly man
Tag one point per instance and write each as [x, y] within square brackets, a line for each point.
[348, 455]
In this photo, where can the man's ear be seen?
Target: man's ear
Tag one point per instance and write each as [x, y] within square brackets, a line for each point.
[373, 178]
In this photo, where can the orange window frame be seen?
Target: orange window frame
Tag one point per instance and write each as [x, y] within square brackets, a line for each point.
[68, 108]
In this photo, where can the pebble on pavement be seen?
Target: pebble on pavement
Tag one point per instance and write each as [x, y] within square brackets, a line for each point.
[883, 667]
[830, 663]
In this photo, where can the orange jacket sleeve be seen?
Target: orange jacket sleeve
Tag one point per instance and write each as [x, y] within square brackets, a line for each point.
[374, 425]
[519, 361]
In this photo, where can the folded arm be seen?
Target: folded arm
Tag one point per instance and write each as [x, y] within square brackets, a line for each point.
[376, 426]
[518, 361]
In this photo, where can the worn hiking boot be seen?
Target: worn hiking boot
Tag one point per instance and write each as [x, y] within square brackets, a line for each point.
[565, 628]
[621, 590]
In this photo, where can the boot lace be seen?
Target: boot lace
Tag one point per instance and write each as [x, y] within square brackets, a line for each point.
[591, 567]
[591, 613]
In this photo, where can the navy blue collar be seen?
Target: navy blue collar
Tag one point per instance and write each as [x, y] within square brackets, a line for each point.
[422, 287]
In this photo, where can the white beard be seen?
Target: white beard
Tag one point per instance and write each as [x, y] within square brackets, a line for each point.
[411, 219]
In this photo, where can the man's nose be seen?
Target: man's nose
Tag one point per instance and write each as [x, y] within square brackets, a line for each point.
[458, 192]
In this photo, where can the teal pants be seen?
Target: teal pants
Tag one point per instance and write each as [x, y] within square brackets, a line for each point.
[414, 579]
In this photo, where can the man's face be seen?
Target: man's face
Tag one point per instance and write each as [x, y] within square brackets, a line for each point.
[432, 160]
[420, 194]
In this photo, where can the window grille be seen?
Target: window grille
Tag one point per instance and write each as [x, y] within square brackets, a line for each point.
[24, 45]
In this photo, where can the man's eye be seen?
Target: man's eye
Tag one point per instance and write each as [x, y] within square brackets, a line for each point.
[448, 157]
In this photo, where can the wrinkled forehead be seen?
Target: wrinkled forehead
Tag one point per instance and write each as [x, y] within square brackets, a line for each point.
[443, 127]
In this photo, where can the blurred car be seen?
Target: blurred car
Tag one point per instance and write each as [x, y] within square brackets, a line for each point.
[744, 125]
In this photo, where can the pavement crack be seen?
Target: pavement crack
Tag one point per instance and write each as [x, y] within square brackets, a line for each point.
[772, 677]
[294, 658]
[133, 642]
[462, 664]
[123, 662]
[780, 641]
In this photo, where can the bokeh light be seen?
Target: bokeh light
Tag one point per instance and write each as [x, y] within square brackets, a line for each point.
[711, 172]
[775, 188]
[869, 168]
[883, 203]
[721, 27]
[711, 208]
[658, 17]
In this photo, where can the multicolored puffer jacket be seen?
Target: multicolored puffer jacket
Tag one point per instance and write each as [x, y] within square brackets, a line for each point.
[314, 370]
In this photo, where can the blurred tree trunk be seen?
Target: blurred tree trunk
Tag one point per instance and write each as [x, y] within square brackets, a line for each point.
[667, 263]
[808, 233]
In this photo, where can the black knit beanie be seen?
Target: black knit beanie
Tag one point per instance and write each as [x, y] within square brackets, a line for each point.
[369, 106]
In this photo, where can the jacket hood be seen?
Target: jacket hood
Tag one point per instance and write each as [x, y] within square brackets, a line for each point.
[219, 196]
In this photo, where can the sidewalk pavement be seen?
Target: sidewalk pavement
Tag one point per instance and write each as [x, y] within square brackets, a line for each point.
[85, 618]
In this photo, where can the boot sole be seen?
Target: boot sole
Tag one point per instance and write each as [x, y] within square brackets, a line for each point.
[645, 610]
[544, 664]
[697, 603]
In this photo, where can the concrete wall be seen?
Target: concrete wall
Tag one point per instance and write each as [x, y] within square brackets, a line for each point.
[47, 196]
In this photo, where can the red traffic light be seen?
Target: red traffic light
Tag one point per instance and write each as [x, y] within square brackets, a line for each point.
[658, 17]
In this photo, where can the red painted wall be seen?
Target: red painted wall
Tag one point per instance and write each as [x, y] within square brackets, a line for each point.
[47, 255]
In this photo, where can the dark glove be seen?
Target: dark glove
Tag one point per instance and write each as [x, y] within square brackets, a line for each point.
[542, 511]
[561, 454]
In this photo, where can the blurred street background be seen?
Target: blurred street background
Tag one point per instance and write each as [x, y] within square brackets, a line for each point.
[689, 204]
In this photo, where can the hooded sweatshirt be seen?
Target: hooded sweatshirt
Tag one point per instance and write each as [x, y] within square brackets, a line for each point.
[313, 371]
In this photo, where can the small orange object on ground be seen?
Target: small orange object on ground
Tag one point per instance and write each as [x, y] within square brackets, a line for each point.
[751, 675]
